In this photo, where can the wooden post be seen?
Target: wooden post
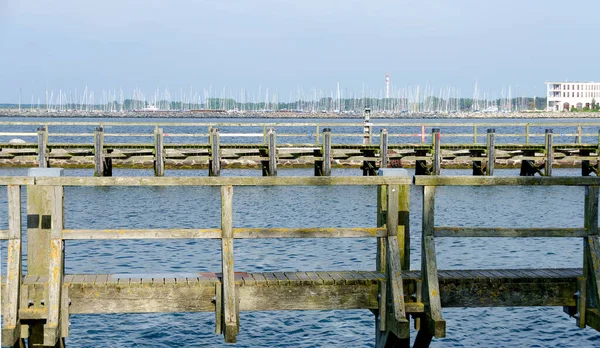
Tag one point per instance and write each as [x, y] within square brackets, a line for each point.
[549, 153]
[11, 328]
[43, 205]
[42, 148]
[491, 151]
[52, 329]
[272, 146]
[527, 134]
[215, 158]
[383, 148]
[326, 152]
[317, 134]
[102, 165]
[435, 325]
[591, 252]
[159, 152]
[393, 256]
[229, 296]
[367, 131]
[437, 155]
[474, 134]
[578, 136]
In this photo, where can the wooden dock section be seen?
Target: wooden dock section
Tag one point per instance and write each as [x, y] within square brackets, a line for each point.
[268, 149]
[36, 306]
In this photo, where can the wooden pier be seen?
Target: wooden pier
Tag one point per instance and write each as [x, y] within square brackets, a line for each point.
[322, 149]
[36, 306]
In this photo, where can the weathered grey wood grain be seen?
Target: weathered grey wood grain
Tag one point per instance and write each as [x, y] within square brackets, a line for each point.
[508, 232]
[383, 148]
[159, 152]
[504, 181]
[431, 290]
[230, 326]
[52, 330]
[491, 152]
[217, 181]
[10, 327]
[549, 153]
[272, 148]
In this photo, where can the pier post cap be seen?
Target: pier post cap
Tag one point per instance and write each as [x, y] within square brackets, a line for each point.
[392, 172]
[435, 130]
[326, 130]
[45, 172]
[491, 130]
[549, 130]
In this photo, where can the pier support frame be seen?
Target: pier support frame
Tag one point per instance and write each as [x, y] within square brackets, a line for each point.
[43, 161]
[393, 256]
[41, 315]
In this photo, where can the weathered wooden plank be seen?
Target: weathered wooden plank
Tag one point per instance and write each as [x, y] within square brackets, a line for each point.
[326, 278]
[230, 316]
[222, 181]
[508, 232]
[506, 181]
[281, 278]
[259, 279]
[171, 233]
[395, 280]
[304, 279]
[431, 291]
[16, 180]
[271, 279]
[10, 327]
[354, 232]
[52, 329]
[314, 277]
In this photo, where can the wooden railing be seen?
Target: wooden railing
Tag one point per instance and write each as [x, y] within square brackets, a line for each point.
[43, 316]
[420, 131]
[588, 302]
[45, 319]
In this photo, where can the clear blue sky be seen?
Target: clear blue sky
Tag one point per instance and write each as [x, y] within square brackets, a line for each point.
[285, 44]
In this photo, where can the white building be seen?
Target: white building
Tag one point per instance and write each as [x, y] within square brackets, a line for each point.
[563, 96]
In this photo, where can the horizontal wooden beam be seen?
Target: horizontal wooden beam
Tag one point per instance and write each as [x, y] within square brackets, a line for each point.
[16, 180]
[356, 232]
[508, 232]
[422, 180]
[180, 233]
[221, 181]
[171, 233]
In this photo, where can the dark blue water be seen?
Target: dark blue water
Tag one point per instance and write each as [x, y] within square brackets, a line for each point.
[124, 207]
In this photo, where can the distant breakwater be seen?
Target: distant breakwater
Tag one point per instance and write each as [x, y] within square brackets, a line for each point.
[294, 115]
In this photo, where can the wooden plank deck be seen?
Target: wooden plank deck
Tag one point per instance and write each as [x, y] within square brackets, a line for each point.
[195, 292]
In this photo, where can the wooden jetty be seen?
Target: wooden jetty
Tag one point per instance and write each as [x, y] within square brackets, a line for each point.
[323, 149]
[37, 305]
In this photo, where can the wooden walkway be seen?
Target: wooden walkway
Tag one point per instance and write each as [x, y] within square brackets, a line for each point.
[322, 150]
[36, 307]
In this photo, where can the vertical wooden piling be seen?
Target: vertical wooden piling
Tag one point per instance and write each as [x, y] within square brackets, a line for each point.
[589, 293]
[326, 152]
[578, 136]
[491, 151]
[102, 165]
[367, 130]
[229, 296]
[474, 134]
[527, 134]
[159, 152]
[437, 155]
[272, 147]
[383, 148]
[11, 329]
[52, 329]
[549, 153]
[434, 324]
[42, 147]
[214, 166]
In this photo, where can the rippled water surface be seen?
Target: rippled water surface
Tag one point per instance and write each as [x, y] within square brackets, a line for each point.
[198, 207]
